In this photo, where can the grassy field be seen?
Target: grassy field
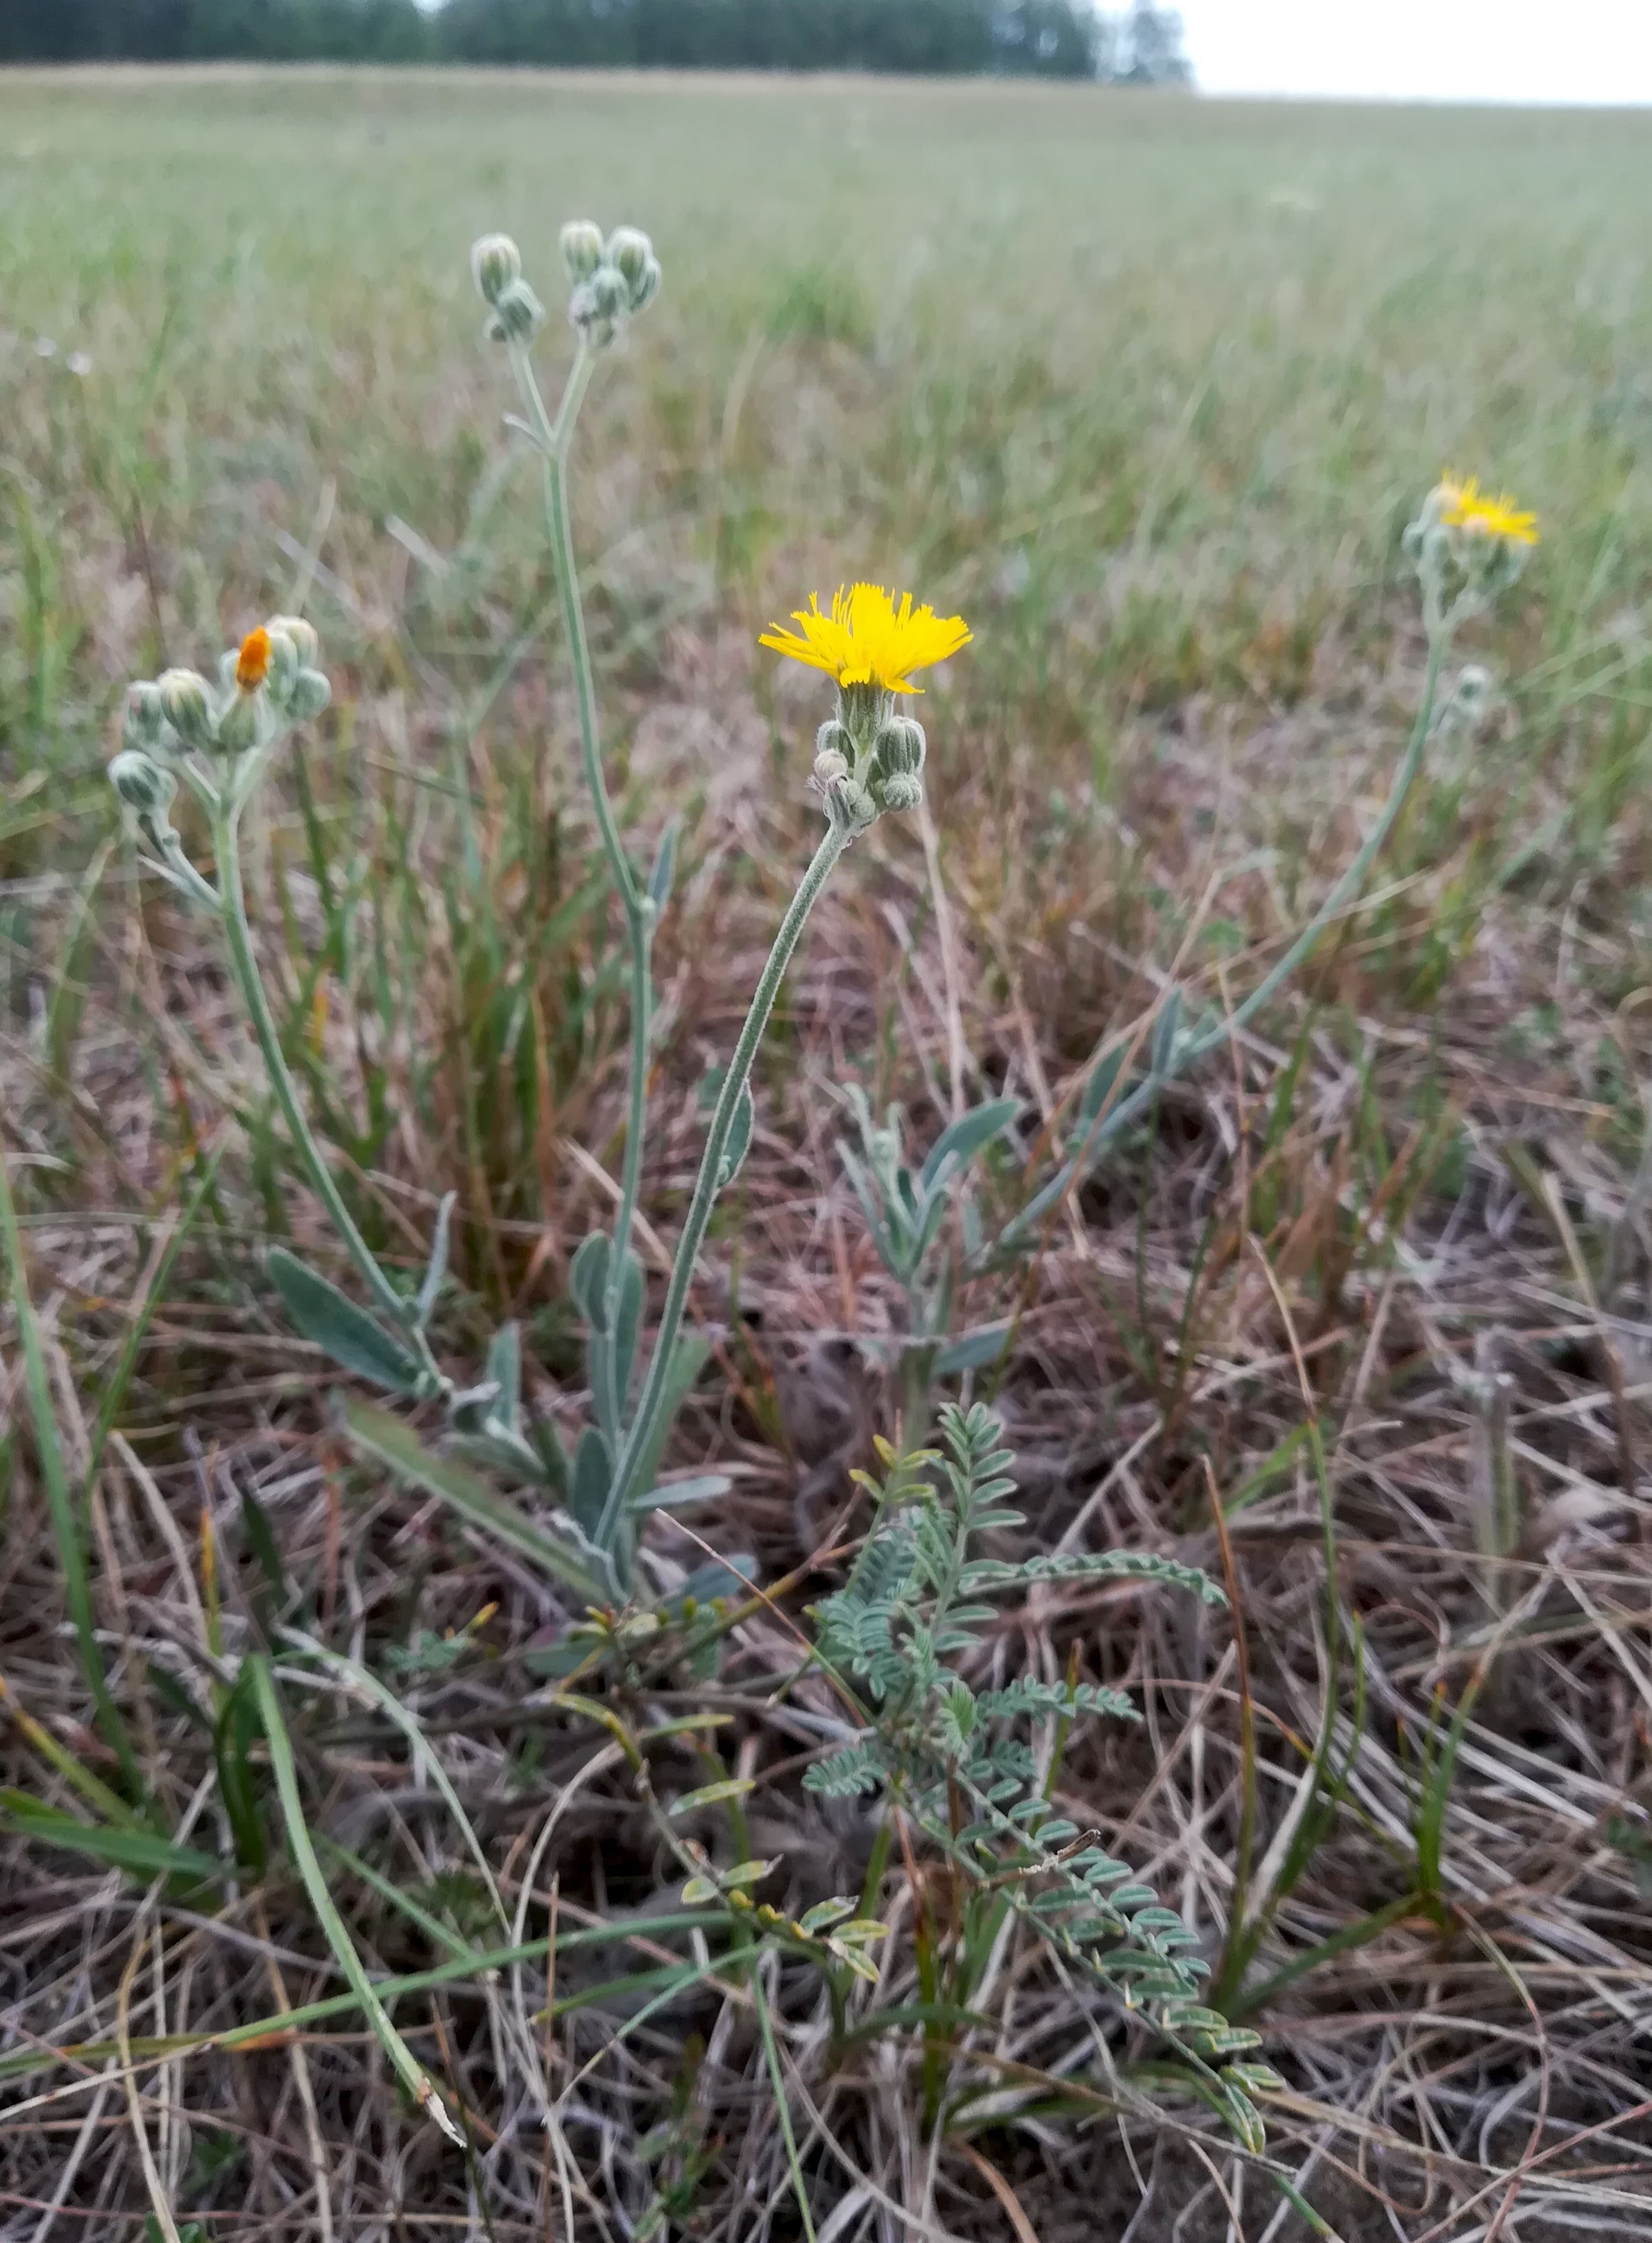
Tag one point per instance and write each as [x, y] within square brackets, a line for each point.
[1147, 389]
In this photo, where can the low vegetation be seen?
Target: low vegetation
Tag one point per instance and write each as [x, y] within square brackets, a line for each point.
[1101, 1685]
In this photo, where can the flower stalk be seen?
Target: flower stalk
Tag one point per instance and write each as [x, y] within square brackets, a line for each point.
[833, 842]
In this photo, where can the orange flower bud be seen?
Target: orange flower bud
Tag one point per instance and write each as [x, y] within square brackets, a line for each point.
[252, 662]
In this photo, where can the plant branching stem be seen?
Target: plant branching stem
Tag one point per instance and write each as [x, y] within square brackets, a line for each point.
[553, 439]
[833, 842]
[1198, 1047]
[244, 963]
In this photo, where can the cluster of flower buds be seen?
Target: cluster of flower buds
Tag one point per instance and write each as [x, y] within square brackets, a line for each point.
[868, 759]
[609, 280]
[1468, 544]
[515, 313]
[265, 685]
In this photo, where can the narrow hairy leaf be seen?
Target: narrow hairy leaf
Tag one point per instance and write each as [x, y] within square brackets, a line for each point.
[958, 1145]
[374, 1433]
[349, 1335]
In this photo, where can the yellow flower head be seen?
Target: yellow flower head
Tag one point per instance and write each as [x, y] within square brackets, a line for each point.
[252, 662]
[867, 640]
[1466, 506]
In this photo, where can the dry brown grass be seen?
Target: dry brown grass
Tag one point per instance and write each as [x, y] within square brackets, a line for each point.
[1456, 1981]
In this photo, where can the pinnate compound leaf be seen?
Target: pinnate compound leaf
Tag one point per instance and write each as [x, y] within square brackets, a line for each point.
[334, 1322]
[993, 1574]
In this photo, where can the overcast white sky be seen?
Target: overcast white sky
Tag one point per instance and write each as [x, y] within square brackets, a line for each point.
[1541, 51]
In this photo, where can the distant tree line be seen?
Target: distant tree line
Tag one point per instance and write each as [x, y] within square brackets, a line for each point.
[1042, 39]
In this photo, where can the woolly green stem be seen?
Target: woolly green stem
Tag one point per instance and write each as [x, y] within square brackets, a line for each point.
[244, 962]
[833, 842]
[553, 440]
[1196, 1047]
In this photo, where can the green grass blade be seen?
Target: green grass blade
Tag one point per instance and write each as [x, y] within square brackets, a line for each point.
[124, 1848]
[377, 1434]
[407, 2067]
[360, 1679]
[114, 1393]
[23, 2064]
[766, 2025]
[65, 1528]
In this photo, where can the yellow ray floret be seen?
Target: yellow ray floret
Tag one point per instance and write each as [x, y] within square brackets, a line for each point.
[867, 640]
[1467, 507]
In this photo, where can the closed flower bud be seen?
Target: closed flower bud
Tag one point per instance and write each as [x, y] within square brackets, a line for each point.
[1473, 690]
[581, 248]
[238, 726]
[145, 722]
[308, 695]
[831, 764]
[517, 315]
[609, 295]
[283, 666]
[496, 261]
[141, 782]
[644, 291]
[898, 747]
[903, 792]
[629, 250]
[303, 635]
[187, 706]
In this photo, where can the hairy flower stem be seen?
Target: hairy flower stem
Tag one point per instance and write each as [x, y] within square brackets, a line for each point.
[1196, 1047]
[244, 963]
[552, 439]
[833, 842]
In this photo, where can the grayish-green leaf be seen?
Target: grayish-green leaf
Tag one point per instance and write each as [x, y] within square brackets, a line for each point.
[659, 880]
[348, 1334]
[593, 1477]
[958, 1144]
[972, 1350]
[1166, 1029]
[677, 1494]
[626, 1327]
[588, 1279]
[740, 1138]
[375, 1433]
[436, 1268]
[504, 1371]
